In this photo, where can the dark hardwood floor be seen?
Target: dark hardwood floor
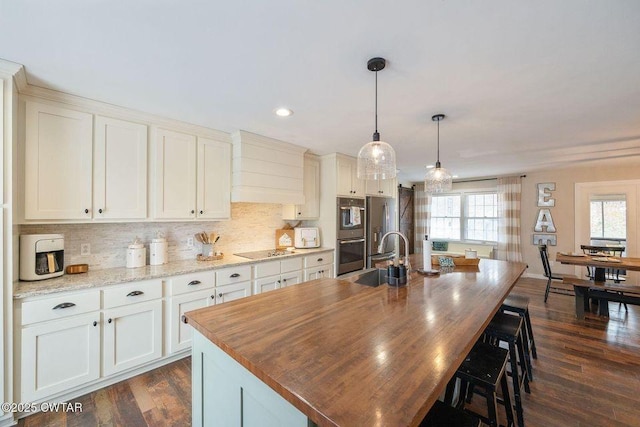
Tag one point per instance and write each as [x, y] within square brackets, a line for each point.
[587, 374]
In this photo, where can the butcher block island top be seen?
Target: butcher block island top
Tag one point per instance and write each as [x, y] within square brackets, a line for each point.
[346, 354]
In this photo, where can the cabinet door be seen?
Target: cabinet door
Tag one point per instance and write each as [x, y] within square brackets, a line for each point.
[311, 207]
[175, 175]
[290, 279]
[357, 185]
[179, 332]
[343, 180]
[232, 292]
[132, 336]
[119, 169]
[388, 187]
[319, 272]
[266, 284]
[58, 146]
[59, 355]
[214, 179]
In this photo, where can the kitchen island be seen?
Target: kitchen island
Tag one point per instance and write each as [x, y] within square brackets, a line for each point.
[338, 353]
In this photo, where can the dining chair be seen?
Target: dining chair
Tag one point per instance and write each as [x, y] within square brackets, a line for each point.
[614, 275]
[544, 255]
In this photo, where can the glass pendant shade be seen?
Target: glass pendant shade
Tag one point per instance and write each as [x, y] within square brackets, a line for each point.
[376, 160]
[438, 180]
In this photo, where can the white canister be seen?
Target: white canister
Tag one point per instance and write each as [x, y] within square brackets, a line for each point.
[136, 255]
[158, 251]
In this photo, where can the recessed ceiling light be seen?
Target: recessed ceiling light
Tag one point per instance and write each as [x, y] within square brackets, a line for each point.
[454, 176]
[284, 112]
[431, 166]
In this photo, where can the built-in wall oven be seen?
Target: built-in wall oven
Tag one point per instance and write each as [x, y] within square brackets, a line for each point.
[351, 244]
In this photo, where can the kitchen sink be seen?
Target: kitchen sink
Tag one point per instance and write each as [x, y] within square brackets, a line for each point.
[370, 277]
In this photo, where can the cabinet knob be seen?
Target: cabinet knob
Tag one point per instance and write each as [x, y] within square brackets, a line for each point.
[86, 211]
[100, 210]
[110, 320]
[220, 295]
[279, 281]
[201, 212]
[95, 323]
[284, 280]
[192, 211]
[184, 319]
[213, 297]
[299, 213]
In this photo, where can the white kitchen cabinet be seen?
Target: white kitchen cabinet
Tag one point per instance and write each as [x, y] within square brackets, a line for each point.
[311, 207]
[132, 336]
[58, 163]
[214, 179]
[175, 175]
[347, 182]
[232, 292]
[318, 266]
[273, 275]
[180, 333]
[119, 169]
[187, 292]
[58, 355]
[192, 177]
[381, 187]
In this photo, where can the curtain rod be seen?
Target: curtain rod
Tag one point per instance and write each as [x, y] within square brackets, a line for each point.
[483, 179]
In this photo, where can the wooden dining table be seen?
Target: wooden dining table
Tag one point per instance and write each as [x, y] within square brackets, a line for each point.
[600, 263]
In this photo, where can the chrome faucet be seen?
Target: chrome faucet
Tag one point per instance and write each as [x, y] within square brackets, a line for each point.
[406, 248]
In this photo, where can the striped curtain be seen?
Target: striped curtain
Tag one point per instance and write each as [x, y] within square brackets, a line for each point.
[422, 210]
[509, 195]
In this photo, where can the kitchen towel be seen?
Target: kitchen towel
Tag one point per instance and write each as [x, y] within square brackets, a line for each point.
[355, 216]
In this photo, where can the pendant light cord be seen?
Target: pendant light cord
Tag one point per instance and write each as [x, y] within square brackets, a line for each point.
[376, 135]
[438, 155]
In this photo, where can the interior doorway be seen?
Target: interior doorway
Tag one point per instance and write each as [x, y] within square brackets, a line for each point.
[606, 215]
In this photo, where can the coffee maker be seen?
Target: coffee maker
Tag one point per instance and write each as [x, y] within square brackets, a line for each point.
[41, 256]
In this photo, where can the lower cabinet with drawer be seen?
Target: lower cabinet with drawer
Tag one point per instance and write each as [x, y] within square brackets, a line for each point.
[276, 274]
[318, 266]
[60, 343]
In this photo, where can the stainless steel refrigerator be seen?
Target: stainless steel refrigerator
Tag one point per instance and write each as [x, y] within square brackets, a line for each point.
[380, 218]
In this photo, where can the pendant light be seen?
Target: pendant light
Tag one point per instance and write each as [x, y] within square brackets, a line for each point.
[438, 179]
[376, 159]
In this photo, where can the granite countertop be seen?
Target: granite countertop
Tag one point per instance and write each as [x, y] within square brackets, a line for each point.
[114, 276]
[348, 354]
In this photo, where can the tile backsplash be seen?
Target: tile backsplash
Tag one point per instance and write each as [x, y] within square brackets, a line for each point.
[252, 227]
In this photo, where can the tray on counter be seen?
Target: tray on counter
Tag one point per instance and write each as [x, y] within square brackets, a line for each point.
[457, 260]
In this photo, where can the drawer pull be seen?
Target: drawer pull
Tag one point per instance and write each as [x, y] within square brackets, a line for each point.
[134, 293]
[64, 305]
[320, 260]
[184, 319]
[194, 282]
[235, 275]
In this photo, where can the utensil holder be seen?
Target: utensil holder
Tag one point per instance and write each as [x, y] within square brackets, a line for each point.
[207, 249]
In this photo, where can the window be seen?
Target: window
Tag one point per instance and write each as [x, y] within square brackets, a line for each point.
[466, 216]
[609, 218]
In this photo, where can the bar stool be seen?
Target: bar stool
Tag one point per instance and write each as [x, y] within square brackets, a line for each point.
[442, 415]
[508, 328]
[519, 304]
[484, 367]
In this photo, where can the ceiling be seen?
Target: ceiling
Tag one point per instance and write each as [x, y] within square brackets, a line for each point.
[524, 85]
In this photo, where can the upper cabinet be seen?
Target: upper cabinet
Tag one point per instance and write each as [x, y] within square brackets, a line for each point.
[311, 207]
[381, 187]
[73, 174]
[119, 169]
[347, 181]
[192, 177]
[58, 156]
